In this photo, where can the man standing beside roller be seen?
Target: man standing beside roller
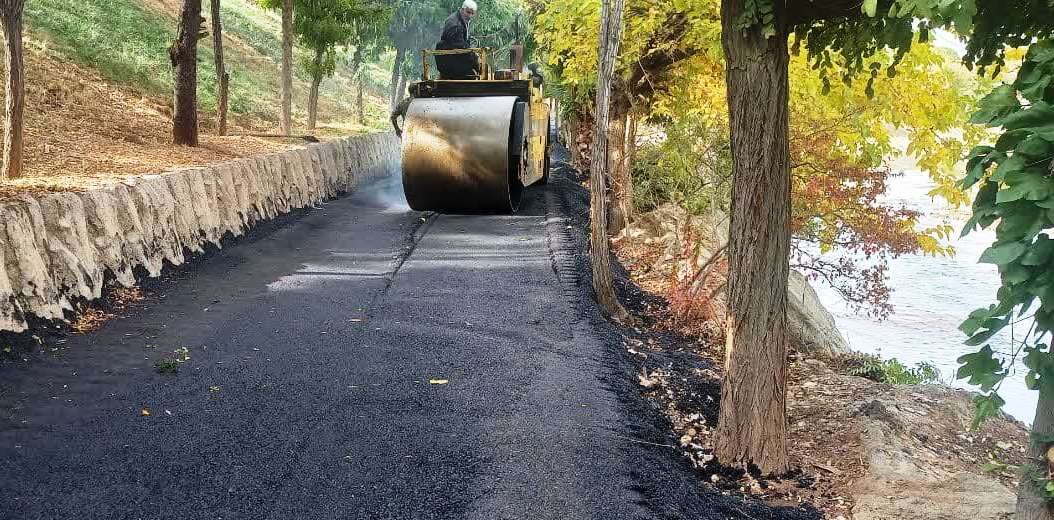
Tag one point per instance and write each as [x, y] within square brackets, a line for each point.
[455, 36]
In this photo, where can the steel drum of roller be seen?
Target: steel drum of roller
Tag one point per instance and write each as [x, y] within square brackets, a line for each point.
[463, 154]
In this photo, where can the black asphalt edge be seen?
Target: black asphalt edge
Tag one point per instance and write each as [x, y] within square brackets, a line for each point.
[668, 485]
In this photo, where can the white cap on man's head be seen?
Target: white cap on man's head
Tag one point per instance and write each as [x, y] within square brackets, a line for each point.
[469, 4]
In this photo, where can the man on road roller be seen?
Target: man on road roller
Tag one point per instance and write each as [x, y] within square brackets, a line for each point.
[455, 36]
[474, 137]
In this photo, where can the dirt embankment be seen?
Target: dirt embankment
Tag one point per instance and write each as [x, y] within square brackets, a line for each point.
[862, 449]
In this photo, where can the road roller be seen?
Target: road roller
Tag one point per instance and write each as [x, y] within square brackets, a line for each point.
[472, 145]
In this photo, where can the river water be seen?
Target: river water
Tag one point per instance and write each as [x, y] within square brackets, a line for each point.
[931, 296]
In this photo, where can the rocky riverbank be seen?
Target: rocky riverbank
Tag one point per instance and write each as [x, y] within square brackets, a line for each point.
[863, 449]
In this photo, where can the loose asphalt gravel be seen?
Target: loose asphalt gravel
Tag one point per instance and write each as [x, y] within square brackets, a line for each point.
[358, 360]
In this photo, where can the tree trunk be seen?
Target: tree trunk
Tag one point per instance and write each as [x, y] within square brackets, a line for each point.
[752, 426]
[222, 78]
[359, 105]
[1031, 505]
[287, 67]
[397, 74]
[616, 157]
[184, 56]
[603, 286]
[622, 167]
[312, 97]
[15, 102]
[400, 91]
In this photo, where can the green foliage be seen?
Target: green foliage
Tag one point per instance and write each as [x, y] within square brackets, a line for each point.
[324, 25]
[1015, 190]
[892, 371]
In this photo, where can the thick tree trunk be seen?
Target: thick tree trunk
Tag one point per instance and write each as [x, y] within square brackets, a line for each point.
[752, 426]
[184, 56]
[397, 68]
[222, 78]
[603, 286]
[15, 88]
[1031, 505]
[359, 105]
[287, 68]
[312, 97]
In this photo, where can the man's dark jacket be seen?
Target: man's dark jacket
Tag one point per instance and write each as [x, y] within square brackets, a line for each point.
[455, 36]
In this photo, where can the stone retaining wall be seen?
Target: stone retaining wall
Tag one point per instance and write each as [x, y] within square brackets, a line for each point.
[58, 248]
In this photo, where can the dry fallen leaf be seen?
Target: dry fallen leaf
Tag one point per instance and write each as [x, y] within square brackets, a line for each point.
[646, 381]
[438, 381]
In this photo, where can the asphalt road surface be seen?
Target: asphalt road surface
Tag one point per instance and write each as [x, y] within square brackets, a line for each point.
[359, 360]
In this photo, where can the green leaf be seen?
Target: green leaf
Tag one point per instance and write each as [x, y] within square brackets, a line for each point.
[1000, 254]
[980, 368]
[990, 327]
[1041, 368]
[1014, 163]
[1038, 116]
[996, 105]
[1032, 187]
[1035, 146]
[1009, 140]
[977, 317]
[980, 158]
[1015, 274]
[986, 407]
[1040, 252]
[869, 7]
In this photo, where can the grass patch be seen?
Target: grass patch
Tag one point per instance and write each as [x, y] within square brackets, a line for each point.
[254, 26]
[121, 39]
[890, 371]
[128, 43]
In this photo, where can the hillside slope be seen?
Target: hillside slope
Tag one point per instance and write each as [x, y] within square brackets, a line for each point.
[98, 98]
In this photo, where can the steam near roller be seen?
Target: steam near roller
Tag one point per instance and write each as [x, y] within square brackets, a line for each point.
[471, 144]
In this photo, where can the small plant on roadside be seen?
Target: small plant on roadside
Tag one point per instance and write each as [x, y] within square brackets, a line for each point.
[892, 371]
[171, 365]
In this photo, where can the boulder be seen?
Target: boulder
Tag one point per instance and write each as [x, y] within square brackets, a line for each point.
[919, 465]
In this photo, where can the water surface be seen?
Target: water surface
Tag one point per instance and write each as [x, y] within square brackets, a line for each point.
[931, 296]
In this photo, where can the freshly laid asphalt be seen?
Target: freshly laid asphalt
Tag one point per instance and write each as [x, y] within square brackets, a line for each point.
[359, 360]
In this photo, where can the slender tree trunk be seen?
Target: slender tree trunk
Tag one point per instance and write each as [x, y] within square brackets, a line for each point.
[752, 426]
[397, 69]
[312, 97]
[622, 168]
[184, 56]
[287, 67]
[616, 157]
[603, 286]
[359, 105]
[15, 88]
[400, 91]
[1031, 505]
[629, 156]
[223, 79]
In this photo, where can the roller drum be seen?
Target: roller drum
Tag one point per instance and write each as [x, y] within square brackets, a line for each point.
[458, 155]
